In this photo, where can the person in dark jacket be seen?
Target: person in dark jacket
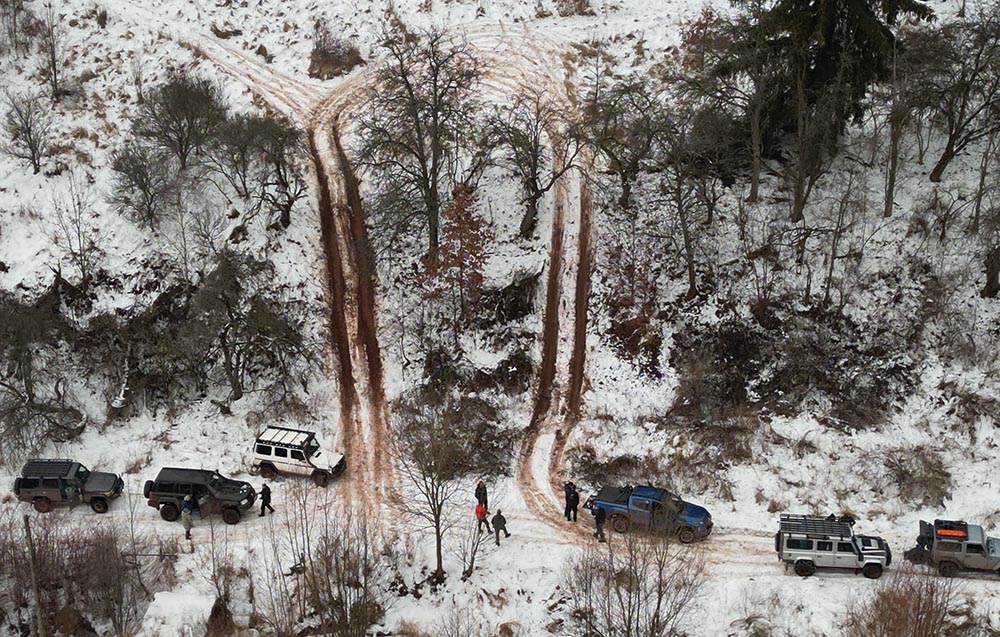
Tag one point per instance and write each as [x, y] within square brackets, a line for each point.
[481, 495]
[500, 524]
[572, 504]
[600, 515]
[568, 490]
[265, 499]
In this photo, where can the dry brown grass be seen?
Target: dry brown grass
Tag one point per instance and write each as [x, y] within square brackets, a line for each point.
[904, 604]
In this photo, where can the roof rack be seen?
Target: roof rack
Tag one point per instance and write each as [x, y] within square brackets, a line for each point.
[47, 467]
[284, 437]
[815, 526]
[951, 528]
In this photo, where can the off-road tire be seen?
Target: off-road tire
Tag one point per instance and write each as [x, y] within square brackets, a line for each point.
[170, 512]
[321, 478]
[686, 535]
[871, 571]
[948, 569]
[804, 568]
[620, 523]
[919, 558]
[99, 505]
[42, 505]
[268, 471]
[231, 516]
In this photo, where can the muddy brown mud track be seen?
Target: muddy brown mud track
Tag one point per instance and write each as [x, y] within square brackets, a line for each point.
[349, 267]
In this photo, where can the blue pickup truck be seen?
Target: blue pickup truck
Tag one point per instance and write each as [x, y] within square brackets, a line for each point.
[651, 508]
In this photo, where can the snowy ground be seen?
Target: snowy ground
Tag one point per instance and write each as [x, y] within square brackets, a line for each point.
[521, 581]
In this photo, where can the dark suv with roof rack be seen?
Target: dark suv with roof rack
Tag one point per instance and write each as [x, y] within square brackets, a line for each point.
[46, 483]
[210, 491]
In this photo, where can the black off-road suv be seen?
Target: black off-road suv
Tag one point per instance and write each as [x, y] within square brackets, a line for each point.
[47, 483]
[210, 491]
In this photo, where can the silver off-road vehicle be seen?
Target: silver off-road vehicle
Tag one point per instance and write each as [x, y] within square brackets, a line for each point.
[952, 546]
[296, 452]
[809, 542]
[48, 483]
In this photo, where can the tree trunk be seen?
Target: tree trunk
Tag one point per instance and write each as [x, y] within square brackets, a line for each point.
[530, 218]
[984, 168]
[992, 287]
[755, 152]
[625, 201]
[946, 157]
[227, 362]
[438, 541]
[895, 132]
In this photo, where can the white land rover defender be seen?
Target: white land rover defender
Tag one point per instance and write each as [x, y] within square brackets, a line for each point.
[810, 542]
[293, 451]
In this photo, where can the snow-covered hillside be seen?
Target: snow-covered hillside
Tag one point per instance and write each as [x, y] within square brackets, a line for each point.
[843, 363]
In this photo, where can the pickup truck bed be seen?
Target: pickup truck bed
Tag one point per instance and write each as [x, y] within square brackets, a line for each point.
[614, 495]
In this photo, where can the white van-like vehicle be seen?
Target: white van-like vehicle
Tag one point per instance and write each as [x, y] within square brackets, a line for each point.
[810, 542]
[280, 450]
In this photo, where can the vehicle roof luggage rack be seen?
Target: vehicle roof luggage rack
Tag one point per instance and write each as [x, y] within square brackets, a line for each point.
[46, 468]
[951, 528]
[815, 526]
[284, 437]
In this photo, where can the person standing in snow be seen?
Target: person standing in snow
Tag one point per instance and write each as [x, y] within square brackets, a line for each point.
[265, 499]
[568, 490]
[481, 496]
[481, 513]
[187, 512]
[572, 504]
[599, 517]
[500, 524]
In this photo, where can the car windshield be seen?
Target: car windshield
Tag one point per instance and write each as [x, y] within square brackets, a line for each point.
[311, 448]
[674, 502]
[216, 481]
[83, 473]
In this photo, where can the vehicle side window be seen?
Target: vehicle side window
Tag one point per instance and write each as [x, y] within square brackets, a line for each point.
[845, 547]
[974, 548]
[297, 455]
[797, 544]
[280, 453]
[29, 483]
[949, 547]
[824, 546]
[263, 450]
[50, 483]
[642, 505]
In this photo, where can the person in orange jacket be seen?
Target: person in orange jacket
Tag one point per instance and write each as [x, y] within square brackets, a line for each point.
[481, 513]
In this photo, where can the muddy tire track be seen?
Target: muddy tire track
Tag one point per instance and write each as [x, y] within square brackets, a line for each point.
[336, 295]
[352, 213]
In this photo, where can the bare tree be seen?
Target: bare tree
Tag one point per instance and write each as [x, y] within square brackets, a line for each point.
[525, 127]
[622, 118]
[441, 438]
[729, 64]
[27, 128]
[137, 73]
[346, 575]
[420, 132]
[636, 586]
[15, 16]
[145, 183]
[182, 116]
[279, 143]
[960, 80]
[52, 48]
[74, 232]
